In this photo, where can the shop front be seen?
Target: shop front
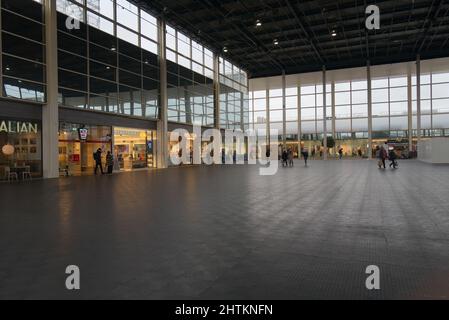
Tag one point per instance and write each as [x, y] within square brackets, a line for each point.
[134, 149]
[78, 143]
[20, 148]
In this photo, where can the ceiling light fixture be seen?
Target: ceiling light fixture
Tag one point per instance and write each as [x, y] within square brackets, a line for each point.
[225, 49]
[276, 42]
[334, 33]
[113, 48]
[258, 23]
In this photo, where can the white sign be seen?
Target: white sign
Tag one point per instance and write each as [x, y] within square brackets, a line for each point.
[18, 127]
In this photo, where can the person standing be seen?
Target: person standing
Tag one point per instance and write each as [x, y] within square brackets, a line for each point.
[284, 158]
[109, 162]
[305, 154]
[290, 157]
[97, 158]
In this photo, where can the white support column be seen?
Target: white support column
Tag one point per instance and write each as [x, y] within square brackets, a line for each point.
[334, 136]
[216, 91]
[418, 99]
[162, 125]
[370, 111]
[267, 99]
[299, 120]
[409, 110]
[50, 115]
[284, 112]
[324, 116]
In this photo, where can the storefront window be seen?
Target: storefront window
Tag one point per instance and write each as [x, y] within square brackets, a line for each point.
[133, 148]
[20, 148]
[77, 144]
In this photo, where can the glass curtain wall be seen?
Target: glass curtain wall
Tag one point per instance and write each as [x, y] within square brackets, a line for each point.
[234, 101]
[189, 80]
[312, 117]
[351, 117]
[390, 102]
[434, 104]
[258, 112]
[23, 48]
[110, 62]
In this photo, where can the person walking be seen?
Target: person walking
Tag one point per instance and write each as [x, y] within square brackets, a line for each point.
[384, 155]
[290, 157]
[379, 157]
[110, 162]
[284, 158]
[392, 156]
[97, 158]
[340, 153]
[305, 154]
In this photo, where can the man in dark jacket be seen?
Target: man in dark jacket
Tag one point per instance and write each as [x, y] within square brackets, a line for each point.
[97, 158]
[392, 156]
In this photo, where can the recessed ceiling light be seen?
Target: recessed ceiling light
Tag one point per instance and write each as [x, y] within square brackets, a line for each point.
[334, 33]
[225, 49]
[113, 48]
[275, 42]
[8, 68]
[108, 67]
[258, 23]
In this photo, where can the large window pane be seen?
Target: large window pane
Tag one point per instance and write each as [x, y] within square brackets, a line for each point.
[104, 7]
[70, 9]
[24, 90]
[127, 35]
[23, 48]
[183, 45]
[127, 14]
[100, 23]
[148, 25]
[23, 69]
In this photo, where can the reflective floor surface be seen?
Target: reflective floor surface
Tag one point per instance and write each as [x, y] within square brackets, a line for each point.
[225, 232]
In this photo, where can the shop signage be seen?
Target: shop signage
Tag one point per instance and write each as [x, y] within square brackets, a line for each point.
[83, 132]
[128, 132]
[18, 127]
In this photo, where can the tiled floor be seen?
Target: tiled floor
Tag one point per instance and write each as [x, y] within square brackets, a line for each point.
[227, 232]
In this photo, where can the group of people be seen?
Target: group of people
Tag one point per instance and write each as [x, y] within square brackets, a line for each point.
[383, 153]
[287, 158]
[99, 164]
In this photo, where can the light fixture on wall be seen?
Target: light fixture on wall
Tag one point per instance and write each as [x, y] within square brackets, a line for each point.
[8, 149]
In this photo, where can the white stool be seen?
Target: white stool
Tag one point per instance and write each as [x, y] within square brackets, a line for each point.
[27, 173]
[11, 175]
